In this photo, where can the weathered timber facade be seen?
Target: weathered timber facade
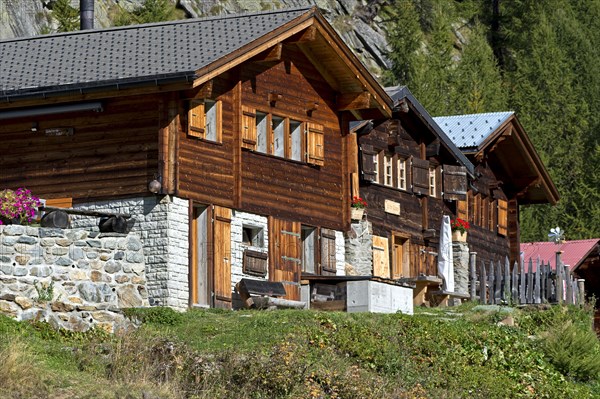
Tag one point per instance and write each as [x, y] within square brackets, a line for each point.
[249, 140]
[410, 175]
[508, 173]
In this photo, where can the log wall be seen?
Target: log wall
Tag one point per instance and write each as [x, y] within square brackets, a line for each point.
[110, 154]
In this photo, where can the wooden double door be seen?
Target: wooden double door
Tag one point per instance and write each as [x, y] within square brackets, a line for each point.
[210, 265]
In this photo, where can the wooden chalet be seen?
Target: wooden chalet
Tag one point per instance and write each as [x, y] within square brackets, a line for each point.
[411, 174]
[508, 172]
[239, 122]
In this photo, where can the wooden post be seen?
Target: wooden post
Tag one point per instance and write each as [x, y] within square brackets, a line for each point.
[559, 278]
[498, 289]
[473, 275]
[530, 282]
[514, 283]
[568, 285]
[483, 285]
[506, 294]
[581, 288]
[522, 298]
[536, 288]
[491, 280]
[543, 283]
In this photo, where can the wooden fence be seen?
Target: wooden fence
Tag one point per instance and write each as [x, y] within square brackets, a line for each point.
[497, 283]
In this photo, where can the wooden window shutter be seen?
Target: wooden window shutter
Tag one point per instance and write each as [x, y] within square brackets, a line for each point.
[248, 128]
[328, 261]
[462, 209]
[485, 213]
[477, 209]
[367, 166]
[471, 207]
[196, 119]
[492, 215]
[222, 256]
[455, 183]
[420, 176]
[315, 144]
[381, 257]
[255, 263]
[502, 217]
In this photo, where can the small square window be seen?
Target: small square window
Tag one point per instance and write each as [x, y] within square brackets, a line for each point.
[253, 236]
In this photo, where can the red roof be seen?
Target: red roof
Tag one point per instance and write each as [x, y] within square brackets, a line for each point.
[573, 252]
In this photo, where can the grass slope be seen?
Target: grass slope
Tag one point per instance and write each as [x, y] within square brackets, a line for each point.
[461, 353]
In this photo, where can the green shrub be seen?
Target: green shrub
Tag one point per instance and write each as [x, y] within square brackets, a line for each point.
[155, 315]
[574, 350]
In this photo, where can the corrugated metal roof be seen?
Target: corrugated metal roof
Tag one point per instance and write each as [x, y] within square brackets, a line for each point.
[573, 252]
[469, 131]
[130, 53]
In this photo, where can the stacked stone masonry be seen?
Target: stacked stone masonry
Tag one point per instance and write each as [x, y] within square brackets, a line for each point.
[74, 279]
[163, 225]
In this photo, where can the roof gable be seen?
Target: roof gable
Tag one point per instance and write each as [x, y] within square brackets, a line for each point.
[499, 138]
[401, 93]
[130, 53]
[470, 131]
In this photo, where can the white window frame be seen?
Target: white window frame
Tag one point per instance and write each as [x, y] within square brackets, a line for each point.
[432, 182]
[401, 164]
[388, 170]
[376, 167]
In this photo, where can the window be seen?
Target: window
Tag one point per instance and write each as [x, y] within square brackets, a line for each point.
[283, 137]
[402, 173]
[296, 140]
[432, 186]
[253, 236]
[309, 248]
[278, 128]
[387, 170]
[262, 132]
[204, 119]
[376, 167]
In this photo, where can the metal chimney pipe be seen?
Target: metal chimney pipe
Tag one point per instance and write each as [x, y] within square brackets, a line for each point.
[86, 14]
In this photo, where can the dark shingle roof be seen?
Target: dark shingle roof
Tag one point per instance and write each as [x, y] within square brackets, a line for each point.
[128, 54]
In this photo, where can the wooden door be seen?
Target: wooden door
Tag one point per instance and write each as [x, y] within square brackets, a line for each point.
[284, 255]
[222, 256]
[400, 257]
[201, 291]
[381, 257]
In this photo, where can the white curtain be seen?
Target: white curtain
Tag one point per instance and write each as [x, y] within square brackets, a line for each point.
[445, 263]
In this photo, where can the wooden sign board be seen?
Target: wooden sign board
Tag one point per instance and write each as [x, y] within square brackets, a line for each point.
[392, 207]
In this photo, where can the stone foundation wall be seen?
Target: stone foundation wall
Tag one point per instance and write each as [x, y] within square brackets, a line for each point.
[359, 248]
[73, 279]
[163, 225]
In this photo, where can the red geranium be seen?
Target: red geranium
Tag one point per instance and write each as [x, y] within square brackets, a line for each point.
[460, 225]
[358, 203]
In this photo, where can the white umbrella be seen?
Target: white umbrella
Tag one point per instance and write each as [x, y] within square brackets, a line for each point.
[445, 262]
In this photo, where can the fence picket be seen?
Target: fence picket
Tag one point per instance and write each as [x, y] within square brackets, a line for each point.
[498, 287]
[483, 285]
[559, 278]
[530, 282]
[522, 299]
[515, 279]
[536, 287]
[568, 286]
[491, 285]
[473, 275]
[506, 294]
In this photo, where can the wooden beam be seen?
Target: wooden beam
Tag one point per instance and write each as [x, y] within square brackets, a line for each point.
[308, 35]
[270, 55]
[237, 147]
[350, 101]
[329, 78]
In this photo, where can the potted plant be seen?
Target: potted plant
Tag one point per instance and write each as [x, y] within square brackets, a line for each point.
[459, 229]
[357, 208]
[18, 207]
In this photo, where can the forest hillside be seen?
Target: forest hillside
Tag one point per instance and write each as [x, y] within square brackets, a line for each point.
[538, 58]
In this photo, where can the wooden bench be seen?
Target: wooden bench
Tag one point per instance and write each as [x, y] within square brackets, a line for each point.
[423, 284]
[441, 297]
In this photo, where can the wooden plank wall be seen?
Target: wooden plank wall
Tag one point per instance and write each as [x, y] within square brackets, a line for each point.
[295, 191]
[269, 185]
[111, 153]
